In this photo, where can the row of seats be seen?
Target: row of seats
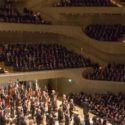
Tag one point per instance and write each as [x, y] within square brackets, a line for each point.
[35, 57]
[10, 14]
[111, 72]
[90, 3]
[108, 106]
[105, 32]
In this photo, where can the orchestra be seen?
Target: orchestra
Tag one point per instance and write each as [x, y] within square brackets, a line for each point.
[28, 104]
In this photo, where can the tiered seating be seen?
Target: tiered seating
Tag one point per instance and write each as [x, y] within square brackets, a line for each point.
[108, 106]
[112, 72]
[90, 3]
[34, 57]
[105, 32]
[13, 15]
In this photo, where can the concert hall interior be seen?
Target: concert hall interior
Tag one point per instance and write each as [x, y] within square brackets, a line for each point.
[62, 62]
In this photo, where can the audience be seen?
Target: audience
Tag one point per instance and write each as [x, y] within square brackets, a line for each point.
[90, 3]
[35, 57]
[105, 32]
[111, 72]
[110, 107]
[10, 14]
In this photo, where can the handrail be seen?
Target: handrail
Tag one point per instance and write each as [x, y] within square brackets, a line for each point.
[89, 86]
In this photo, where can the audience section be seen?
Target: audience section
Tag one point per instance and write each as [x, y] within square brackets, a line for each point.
[8, 13]
[85, 3]
[105, 32]
[36, 57]
[109, 106]
[111, 72]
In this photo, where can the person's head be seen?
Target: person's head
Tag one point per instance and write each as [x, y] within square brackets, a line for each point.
[99, 121]
[76, 115]
[53, 92]
[64, 95]
[94, 119]
[86, 99]
[87, 117]
[71, 100]
[104, 122]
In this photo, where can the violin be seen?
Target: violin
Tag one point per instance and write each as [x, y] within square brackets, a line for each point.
[39, 93]
[30, 92]
[10, 92]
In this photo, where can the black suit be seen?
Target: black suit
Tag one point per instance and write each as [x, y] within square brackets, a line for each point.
[85, 108]
[2, 120]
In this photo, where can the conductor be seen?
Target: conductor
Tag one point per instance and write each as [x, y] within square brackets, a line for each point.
[85, 108]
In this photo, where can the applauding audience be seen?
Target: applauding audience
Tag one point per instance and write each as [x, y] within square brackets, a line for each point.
[110, 107]
[35, 57]
[111, 72]
[90, 3]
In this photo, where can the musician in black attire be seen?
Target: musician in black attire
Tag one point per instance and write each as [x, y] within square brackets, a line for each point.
[71, 108]
[2, 119]
[86, 120]
[61, 116]
[76, 119]
[67, 118]
[85, 108]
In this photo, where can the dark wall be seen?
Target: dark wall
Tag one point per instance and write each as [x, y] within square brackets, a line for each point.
[1, 2]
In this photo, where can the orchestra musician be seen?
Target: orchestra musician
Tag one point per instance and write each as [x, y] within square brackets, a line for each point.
[71, 108]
